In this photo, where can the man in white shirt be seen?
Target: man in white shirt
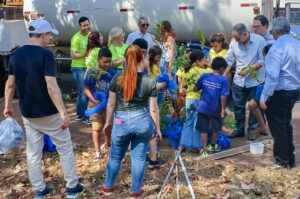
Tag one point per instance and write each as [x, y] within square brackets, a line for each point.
[141, 33]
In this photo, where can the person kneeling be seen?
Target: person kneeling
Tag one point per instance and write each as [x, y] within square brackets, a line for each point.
[211, 106]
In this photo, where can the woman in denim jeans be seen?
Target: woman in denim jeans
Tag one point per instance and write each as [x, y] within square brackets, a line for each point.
[128, 97]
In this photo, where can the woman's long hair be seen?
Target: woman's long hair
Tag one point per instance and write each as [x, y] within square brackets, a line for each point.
[93, 42]
[153, 51]
[114, 35]
[128, 80]
[167, 30]
[194, 56]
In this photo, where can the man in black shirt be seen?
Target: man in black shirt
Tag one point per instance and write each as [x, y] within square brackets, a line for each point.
[32, 70]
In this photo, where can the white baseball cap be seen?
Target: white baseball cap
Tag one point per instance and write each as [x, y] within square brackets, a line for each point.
[40, 26]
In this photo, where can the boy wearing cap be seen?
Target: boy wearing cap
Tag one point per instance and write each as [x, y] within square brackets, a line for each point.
[32, 70]
[78, 66]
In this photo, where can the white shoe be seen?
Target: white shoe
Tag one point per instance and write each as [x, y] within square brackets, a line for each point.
[97, 156]
[102, 147]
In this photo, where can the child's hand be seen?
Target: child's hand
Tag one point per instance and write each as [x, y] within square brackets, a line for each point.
[157, 134]
[96, 102]
[107, 128]
[223, 114]
[161, 85]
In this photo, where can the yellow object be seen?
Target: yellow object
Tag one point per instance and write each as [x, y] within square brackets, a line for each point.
[91, 60]
[154, 72]
[190, 79]
[213, 54]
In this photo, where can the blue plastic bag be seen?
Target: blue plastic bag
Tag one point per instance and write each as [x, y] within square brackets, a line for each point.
[164, 77]
[11, 135]
[102, 97]
[48, 145]
[223, 141]
[173, 131]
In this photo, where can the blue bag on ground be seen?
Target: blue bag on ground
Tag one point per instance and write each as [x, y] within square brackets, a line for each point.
[102, 97]
[48, 145]
[173, 131]
[223, 141]
[11, 135]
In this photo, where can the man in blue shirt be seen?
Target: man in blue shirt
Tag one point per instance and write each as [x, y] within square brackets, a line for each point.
[260, 26]
[246, 51]
[141, 33]
[32, 70]
[281, 91]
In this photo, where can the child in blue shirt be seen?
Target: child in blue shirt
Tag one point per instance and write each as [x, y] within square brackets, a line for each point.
[211, 106]
[98, 80]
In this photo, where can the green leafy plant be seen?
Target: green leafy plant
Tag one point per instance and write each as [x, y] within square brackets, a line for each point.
[251, 71]
[158, 30]
[66, 97]
[179, 60]
[163, 113]
[202, 41]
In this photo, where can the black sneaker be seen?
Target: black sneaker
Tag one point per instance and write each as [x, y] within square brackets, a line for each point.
[158, 163]
[73, 193]
[78, 117]
[86, 121]
[42, 194]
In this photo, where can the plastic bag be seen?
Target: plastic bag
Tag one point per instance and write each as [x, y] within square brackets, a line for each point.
[48, 144]
[223, 141]
[11, 135]
[164, 77]
[102, 97]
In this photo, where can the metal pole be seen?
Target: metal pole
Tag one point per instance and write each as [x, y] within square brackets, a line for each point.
[177, 154]
[187, 178]
[177, 183]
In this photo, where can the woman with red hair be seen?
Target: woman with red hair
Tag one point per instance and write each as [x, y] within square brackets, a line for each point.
[129, 94]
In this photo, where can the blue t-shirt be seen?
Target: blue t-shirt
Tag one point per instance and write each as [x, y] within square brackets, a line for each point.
[30, 64]
[213, 86]
[98, 80]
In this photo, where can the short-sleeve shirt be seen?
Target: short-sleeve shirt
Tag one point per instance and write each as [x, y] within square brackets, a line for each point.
[213, 87]
[213, 54]
[146, 88]
[98, 80]
[118, 52]
[190, 78]
[154, 72]
[91, 60]
[180, 73]
[79, 44]
[30, 64]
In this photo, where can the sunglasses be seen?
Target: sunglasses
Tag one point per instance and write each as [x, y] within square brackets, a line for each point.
[145, 25]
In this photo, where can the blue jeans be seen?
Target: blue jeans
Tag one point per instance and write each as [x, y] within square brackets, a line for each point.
[240, 97]
[78, 74]
[135, 127]
[190, 137]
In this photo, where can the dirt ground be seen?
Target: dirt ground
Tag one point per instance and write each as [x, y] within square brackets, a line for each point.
[81, 134]
[239, 176]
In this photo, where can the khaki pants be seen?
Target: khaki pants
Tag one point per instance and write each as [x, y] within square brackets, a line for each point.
[35, 129]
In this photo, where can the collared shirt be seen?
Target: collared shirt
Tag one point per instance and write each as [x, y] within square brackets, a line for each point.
[245, 57]
[282, 66]
[269, 38]
[137, 34]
